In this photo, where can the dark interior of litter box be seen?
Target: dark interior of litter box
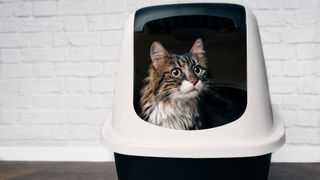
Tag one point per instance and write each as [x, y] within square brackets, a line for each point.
[224, 40]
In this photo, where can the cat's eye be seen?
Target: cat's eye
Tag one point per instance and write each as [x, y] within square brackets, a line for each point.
[176, 72]
[198, 70]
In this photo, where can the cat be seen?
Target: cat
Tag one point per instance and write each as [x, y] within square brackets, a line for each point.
[170, 95]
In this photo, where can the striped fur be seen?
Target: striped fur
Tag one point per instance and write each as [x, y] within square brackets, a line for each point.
[168, 99]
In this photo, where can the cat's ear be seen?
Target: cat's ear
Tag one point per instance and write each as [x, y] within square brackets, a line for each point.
[197, 47]
[157, 53]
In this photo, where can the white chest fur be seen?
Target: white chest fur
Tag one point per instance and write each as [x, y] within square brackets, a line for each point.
[180, 114]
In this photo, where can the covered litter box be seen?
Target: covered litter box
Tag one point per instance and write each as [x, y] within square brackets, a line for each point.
[192, 98]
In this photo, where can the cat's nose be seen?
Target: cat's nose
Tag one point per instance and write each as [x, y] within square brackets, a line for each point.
[194, 82]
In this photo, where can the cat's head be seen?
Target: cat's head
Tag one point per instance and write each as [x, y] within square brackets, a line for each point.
[179, 76]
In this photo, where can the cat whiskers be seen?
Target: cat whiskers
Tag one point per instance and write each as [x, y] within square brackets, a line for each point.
[212, 87]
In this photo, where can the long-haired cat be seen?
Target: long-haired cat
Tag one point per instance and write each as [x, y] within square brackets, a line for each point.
[171, 92]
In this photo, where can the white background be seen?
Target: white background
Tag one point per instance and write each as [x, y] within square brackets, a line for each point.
[57, 70]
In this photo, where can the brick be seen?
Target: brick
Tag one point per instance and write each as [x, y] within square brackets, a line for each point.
[9, 117]
[13, 40]
[79, 69]
[44, 70]
[93, 101]
[283, 85]
[50, 117]
[309, 4]
[107, 22]
[102, 84]
[299, 34]
[30, 25]
[289, 117]
[270, 4]
[105, 53]
[15, 101]
[75, 23]
[23, 9]
[111, 38]
[10, 55]
[271, 34]
[310, 85]
[291, 102]
[70, 101]
[40, 86]
[109, 69]
[43, 24]
[79, 117]
[77, 85]
[19, 9]
[308, 16]
[270, 17]
[310, 68]
[309, 102]
[107, 101]
[16, 70]
[43, 117]
[112, 6]
[25, 132]
[27, 118]
[77, 39]
[76, 132]
[44, 101]
[317, 34]
[307, 51]
[308, 118]
[79, 7]
[291, 4]
[97, 23]
[292, 68]
[44, 8]
[98, 117]
[9, 86]
[44, 55]
[79, 54]
[276, 99]
[279, 51]
[7, 10]
[317, 66]
[274, 68]
[43, 39]
[290, 17]
[296, 135]
[8, 24]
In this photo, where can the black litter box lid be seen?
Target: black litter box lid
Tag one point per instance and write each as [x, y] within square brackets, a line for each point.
[230, 11]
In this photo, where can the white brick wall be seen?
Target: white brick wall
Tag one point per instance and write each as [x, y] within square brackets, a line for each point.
[58, 58]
